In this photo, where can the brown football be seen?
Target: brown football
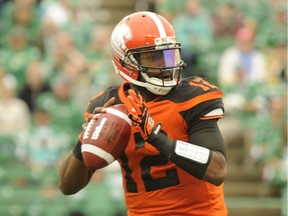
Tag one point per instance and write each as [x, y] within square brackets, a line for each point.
[106, 138]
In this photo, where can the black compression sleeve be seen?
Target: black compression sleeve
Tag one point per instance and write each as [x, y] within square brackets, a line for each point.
[206, 133]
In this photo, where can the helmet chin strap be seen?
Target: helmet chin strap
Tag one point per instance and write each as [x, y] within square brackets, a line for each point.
[157, 90]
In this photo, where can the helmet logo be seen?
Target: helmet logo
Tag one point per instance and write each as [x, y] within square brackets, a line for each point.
[125, 32]
[164, 40]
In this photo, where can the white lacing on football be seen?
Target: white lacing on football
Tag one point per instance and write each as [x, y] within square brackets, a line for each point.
[98, 152]
[119, 114]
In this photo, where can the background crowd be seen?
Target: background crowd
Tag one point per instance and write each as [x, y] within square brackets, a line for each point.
[54, 56]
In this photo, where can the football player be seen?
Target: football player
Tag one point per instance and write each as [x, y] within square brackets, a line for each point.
[175, 162]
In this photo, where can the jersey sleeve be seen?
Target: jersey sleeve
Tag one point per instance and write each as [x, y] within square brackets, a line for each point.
[200, 99]
[100, 99]
[201, 106]
[206, 133]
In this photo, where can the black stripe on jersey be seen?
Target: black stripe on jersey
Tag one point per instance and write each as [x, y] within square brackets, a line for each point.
[200, 110]
[185, 92]
[101, 100]
[131, 185]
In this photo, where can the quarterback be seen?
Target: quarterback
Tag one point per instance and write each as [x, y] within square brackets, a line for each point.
[175, 162]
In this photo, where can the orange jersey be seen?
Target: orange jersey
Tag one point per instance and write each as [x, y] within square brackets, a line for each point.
[152, 184]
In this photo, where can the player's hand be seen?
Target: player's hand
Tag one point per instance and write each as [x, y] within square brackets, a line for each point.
[139, 113]
[97, 111]
[95, 114]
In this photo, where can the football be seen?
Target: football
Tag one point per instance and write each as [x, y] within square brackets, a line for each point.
[105, 139]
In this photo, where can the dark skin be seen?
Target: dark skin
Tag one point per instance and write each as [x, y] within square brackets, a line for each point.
[74, 175]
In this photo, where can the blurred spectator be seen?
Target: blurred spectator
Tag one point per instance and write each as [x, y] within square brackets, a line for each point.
[243, 100]
[69, 16]
[62, 47]
[169, 8]
[97, 52]
[97, 47]
[76, 71]
[58, 11]
[38, 150]
[227, 20]
[24, 14]
[241, 74]
[74, 67]
[79, 25]
[269, 140]
[35, 84]
[243, 56]
[277, 64]
[42, 146]
[14, 113]
[146, 5]
[17, 54]
[193, 28]
[60, 103]
[49, 32]
[273, 30]
[257, 10]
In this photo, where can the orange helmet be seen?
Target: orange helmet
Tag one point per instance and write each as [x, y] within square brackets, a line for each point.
[145, 42]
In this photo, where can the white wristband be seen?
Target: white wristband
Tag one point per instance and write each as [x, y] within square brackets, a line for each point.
[193, 152]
